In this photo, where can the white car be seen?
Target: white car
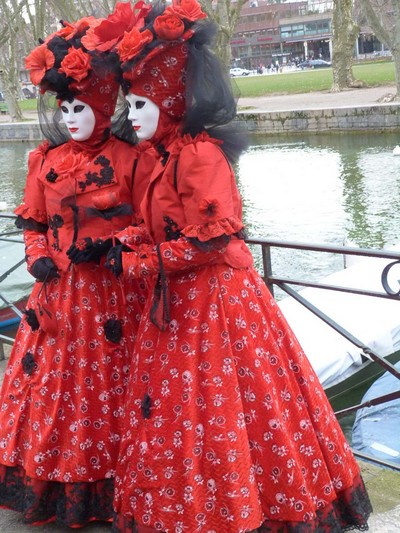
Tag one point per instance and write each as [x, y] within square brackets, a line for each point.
[237, 71]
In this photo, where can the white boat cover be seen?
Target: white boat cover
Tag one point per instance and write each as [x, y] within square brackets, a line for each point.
[374, 321]
[376, 429]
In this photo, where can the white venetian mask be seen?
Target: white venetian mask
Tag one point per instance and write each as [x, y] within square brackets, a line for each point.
[144, 115]
[79, 119]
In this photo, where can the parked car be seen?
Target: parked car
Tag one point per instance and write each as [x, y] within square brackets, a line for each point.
[314, 63]
[29, 94]
[237, 71]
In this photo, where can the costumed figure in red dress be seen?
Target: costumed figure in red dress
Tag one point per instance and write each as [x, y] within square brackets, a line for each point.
[61, 400]
[227, 428]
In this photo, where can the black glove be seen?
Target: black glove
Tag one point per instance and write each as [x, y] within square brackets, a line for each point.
[86, 250]
[44, 269]
[114, 259]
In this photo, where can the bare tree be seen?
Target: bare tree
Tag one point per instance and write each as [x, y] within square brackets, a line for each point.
[344, 34]
[383, 17]
[23, 23]
[226, 15]
[12, 27]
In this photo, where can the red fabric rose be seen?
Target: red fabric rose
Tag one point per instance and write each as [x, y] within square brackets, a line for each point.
[38, 62]
[110, 30]
[105, 200]
[169, 27]
[79, 26]
[210, 208]
[71, 164]
[132, 43]
[187, 9]
[76, 64]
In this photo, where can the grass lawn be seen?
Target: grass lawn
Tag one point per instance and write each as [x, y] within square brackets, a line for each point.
[300, 81]
[305, 81]
[28, 105]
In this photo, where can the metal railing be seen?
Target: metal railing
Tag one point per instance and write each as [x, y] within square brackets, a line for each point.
[286, 285]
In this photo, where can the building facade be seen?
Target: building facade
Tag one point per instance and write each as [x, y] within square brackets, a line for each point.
[287, 33]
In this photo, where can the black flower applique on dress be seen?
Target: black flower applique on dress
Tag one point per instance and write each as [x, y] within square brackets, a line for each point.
[28, 363]
[106, 176]
[51, 176]
[31, 319]
[113, 330]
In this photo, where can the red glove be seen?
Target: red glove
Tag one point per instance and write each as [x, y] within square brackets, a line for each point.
[133, 236]
[169, 257]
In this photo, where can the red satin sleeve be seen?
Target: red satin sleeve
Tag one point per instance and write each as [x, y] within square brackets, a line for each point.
[33, 204]
[208, 192]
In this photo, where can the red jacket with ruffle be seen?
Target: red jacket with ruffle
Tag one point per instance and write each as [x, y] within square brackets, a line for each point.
[72, 193]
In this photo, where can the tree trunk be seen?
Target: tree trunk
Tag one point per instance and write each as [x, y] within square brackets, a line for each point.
[385, 23]
[225, 14]
[345, 32]
[396, 59]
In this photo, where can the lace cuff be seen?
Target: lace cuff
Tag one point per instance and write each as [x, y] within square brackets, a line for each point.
[205, 232]
[25, 212]
[30, 224]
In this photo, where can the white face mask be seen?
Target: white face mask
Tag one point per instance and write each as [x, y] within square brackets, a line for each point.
[79, 119]
[144, 115]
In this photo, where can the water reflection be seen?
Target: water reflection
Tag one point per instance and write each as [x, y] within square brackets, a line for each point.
[320, 189]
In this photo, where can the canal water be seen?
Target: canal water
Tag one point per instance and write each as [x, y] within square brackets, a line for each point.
[317, 189]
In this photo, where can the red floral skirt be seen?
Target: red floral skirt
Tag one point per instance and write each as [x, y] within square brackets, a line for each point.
[62, 396]
[227, 427]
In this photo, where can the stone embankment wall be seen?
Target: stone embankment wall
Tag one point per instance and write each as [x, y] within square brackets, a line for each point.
[20, 131]
[344, 119]
[383, 117]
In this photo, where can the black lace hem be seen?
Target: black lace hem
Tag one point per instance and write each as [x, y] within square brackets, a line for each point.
[350, 511]
[65, 504]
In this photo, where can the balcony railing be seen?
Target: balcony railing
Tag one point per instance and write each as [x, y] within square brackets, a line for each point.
[288, 285]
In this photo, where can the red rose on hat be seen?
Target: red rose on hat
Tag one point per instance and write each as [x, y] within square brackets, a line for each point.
[186, 9]
[108, 33]
[76, 64]
[80, 26]
[38, 62]
[132, 43]
[169, 27]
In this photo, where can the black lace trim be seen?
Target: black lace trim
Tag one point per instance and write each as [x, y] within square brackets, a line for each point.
[160, 312]
[350, 511]
[55, 223]
[165, 155]
[217, 243]
[106, 174]
[65, 504]
[30, 224]
[110, 212]
[172, 233]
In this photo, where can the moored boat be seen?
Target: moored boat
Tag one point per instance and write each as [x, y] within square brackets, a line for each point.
[375, 431]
